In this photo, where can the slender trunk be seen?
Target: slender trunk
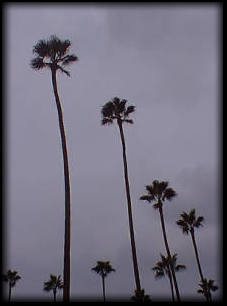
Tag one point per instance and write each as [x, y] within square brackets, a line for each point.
[66, 280]
[103, 288]
[54, 292]
[168, 252]
[197, 260]
[10, 292]
[171, 283]
[132, 238]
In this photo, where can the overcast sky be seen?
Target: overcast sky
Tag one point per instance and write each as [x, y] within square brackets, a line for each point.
[164, 59]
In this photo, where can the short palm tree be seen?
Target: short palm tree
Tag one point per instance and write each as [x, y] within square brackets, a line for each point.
[103, 268]
[159, 192]
[53, 54]
[116, 110]
[162, 268]
[54, 283]
[140, 296]
[206, 286]
[188, 223]
[11, 277]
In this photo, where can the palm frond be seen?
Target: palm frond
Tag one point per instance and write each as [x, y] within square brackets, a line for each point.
[68, 59]
[120, 107]
[128, 121]
[180, 267]
[37, 63]
[63, 70]
[169, 194]
[107, 110]
[146, 197]
[41, 48]
[107, 121]
[130, 109]
[157, 205]
[198, 221]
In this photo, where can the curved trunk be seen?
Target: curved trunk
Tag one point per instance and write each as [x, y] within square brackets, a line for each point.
[66, 280]
[168, 252]
[132, 238]
[103, 288]
[197, 260]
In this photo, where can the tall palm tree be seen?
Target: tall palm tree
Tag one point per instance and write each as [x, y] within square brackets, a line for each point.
[159, 191]
[11, 277]
[54, 283]
[116, 110]
[53, 54]
[162, 268]
[103, 268]
[206, 286]
[188, 223]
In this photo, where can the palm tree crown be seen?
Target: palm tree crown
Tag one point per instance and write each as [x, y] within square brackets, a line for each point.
[158, 192]
[189, 221]
[54, 282]
[116, 109]
[103, 268]
[11, 277]
[206, 286]
[161, 267]
[52, 53]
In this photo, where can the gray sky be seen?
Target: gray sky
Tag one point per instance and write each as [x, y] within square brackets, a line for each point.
[164, 59]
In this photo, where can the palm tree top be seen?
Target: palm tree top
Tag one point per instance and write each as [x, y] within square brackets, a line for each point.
[161, 266]
[189, 221]
[158, 191]
[52, 53]
[103, 268]
[116, 109]
[12, 277]
[206, 286]
[53, 283]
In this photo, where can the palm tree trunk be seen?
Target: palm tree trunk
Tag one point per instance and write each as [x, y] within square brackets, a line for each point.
[66, 280]
[103, 288]
[168, 252]
[197, 260]
[54, 292]
[132, 238]
[171, 283]
[10, 292]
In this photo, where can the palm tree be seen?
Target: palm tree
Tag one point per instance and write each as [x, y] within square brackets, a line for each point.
[188, 223]
[54, 283]
[206, 287]
[140, 296]
[103, 268]
[11, 277]
[159, 192]
[162, 268]
[116, 110]
[53, 54]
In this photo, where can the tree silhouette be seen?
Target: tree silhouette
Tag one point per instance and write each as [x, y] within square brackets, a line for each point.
[54, 283]
[141, 297]
[53, 54]
[206, 286]
[162, 268]
[188, 223]
[111, 111]
[159, 192]
[11, 277]
[103, 268]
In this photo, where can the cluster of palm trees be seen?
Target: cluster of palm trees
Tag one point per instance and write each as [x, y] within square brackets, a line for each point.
[53, 54]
